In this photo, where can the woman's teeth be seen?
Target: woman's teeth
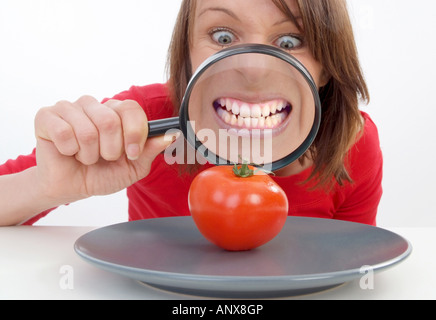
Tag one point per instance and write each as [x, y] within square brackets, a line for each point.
[267, 115]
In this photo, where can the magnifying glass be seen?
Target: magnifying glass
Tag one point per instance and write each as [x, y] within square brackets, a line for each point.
[249, 103]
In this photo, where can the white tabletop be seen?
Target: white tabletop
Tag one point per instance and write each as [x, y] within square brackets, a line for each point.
[40, 263]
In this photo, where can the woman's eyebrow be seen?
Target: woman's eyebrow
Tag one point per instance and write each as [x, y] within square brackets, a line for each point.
[295, 20]
[218, 9]
[298, 20]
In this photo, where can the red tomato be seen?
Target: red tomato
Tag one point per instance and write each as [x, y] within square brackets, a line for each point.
[237, 213]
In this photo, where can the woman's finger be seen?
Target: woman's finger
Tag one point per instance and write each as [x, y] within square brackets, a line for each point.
[49, 126]
[85, 132]
[134, 124]
[109, 127]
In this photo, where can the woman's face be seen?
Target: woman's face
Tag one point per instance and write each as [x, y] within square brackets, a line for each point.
[250, 96]
[223, 23]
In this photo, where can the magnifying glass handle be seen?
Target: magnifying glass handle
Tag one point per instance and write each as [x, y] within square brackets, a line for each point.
[160, 127]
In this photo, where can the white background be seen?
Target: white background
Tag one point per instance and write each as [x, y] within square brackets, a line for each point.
[52, 50]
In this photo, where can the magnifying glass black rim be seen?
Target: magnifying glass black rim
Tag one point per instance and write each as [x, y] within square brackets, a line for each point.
[243, 49]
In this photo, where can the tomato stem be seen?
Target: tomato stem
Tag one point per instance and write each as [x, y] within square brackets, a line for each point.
[244, 171]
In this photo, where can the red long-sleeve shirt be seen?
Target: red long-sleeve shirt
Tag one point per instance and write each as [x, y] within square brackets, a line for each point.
[164, 192]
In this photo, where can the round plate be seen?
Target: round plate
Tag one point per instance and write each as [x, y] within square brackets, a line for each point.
[309, 255]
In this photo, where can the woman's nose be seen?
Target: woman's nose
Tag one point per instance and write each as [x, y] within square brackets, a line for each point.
[255, 69]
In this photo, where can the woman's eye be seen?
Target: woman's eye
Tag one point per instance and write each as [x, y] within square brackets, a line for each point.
[223, 37]
[289, 42]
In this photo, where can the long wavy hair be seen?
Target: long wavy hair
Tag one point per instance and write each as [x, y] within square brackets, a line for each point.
[329, 34]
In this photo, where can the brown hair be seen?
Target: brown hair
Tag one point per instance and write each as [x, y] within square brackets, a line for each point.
[179, 61]
[329, 35]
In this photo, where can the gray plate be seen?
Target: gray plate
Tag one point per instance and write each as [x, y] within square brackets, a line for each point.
[309, 255]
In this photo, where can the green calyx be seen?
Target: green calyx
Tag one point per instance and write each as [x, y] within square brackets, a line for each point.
[244, 171]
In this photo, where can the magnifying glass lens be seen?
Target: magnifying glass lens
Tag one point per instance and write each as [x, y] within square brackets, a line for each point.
[251, 105]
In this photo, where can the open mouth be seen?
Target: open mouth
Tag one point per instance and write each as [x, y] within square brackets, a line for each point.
[242, 115]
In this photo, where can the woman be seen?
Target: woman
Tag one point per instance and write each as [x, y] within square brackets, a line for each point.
[89, 148]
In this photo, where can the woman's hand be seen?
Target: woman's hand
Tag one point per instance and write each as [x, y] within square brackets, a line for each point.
[86, 148]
